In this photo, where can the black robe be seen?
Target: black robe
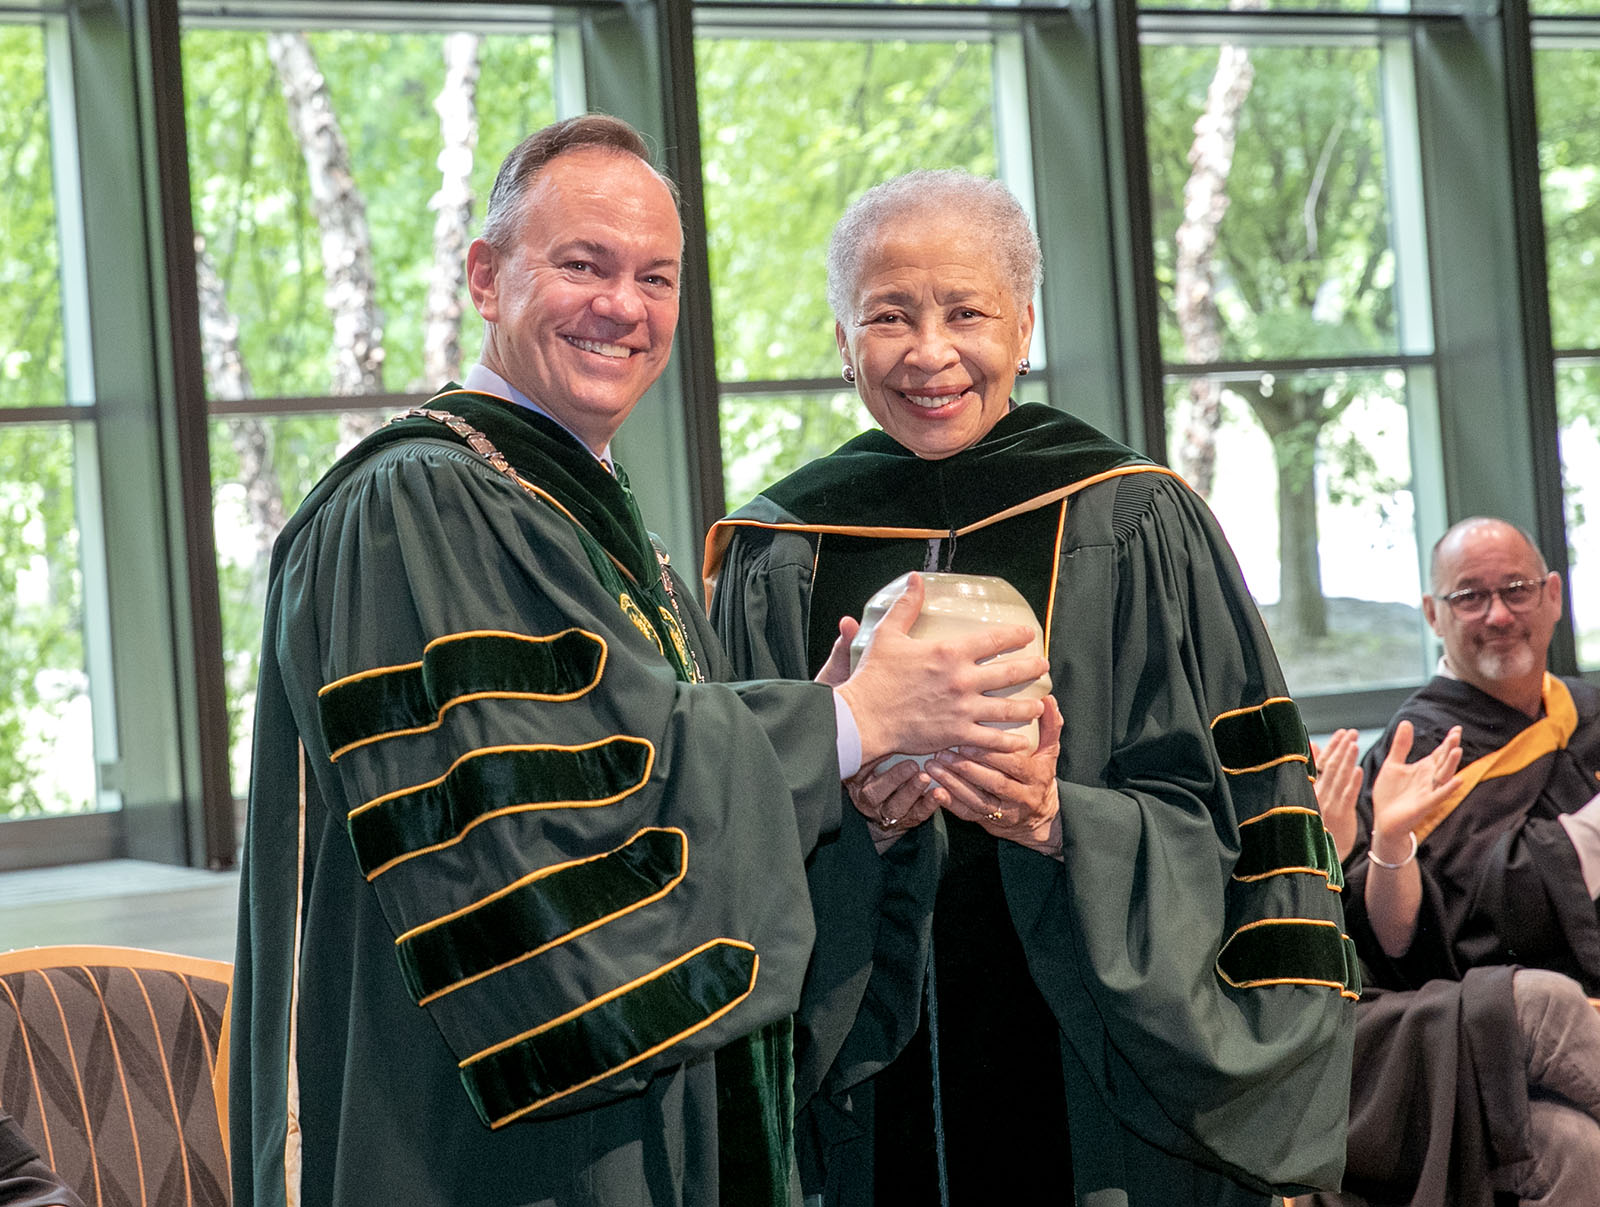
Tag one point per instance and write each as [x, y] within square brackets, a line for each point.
[1189, 972]
[1439, 1114]
[1501, 882]
[25, 1180]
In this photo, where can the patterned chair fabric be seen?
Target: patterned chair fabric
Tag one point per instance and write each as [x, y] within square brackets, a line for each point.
[110, 1055]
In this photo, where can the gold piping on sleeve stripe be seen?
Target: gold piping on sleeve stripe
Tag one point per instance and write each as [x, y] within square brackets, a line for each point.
[506, 749]
[540, 874]
[1344, 990]
[1283, 871]
[370, 673]
[526, 807]
[755, 970]
[1279, 809]
[1239, 712]
[1281, 759]
[549, 697]
[1260, 922]
[1285, 809]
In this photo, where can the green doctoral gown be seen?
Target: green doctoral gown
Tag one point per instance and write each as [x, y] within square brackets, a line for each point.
[512, 878]
[1194, 980]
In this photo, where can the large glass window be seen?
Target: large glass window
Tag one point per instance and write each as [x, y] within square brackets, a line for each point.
[337, 177]
[777, 177]
[1567, 82]
[47, 753]
[31, 372]
[1287, 390]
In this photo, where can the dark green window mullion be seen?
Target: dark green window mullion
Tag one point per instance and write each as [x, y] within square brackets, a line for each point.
[1091, 182]
[638, 64]
[1537, 340]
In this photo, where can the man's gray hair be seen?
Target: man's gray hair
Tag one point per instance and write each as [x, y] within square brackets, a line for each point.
[529, 157]
[983, 202]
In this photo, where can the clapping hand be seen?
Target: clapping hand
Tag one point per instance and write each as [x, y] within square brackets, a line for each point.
[1404, 794]
[1338, 784]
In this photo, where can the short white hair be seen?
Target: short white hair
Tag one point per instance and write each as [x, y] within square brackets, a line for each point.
[985, 204]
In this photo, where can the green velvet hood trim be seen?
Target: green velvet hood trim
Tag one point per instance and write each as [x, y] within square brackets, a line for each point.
[488, 783]
[612, 1033]
[396, 700]
[999, 503]
[542, 909]
[1253, 739]
[1290, 951]
[548, 456]
[1287, 840]
[1031, 451]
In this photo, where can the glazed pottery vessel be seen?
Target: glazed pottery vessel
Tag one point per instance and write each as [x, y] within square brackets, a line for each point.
[956, 605]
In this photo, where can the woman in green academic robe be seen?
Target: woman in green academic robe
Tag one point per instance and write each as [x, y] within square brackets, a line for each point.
[1116, 967]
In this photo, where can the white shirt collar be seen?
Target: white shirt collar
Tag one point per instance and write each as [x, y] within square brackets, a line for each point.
[484, 380]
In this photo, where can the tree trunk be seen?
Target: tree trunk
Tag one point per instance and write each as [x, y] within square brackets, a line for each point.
[350, 287]
[228, 379]
[1205, 203]
[1293, 420]
[1302, 611]
[458, 126]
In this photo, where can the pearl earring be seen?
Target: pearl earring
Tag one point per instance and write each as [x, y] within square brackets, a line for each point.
[1023, 367]
[848, 373]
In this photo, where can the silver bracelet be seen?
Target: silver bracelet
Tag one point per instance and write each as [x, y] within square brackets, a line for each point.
[1395, 867]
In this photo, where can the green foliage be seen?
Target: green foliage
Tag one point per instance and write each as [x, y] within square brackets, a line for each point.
[768, 435]
[250, 192]
[1567, 82]
[1304, 265]
[777, 176]
[31, 372]
[249, 189]
[41, 642]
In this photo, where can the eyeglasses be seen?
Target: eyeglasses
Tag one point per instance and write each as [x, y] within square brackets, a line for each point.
[1470, 603]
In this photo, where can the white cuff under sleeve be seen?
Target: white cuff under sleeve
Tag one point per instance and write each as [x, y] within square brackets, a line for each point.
[1583, 827]
[849, 738]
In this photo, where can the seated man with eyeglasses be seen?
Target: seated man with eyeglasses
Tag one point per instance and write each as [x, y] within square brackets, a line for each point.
[1471, 900]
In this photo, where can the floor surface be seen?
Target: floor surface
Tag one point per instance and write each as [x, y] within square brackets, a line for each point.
[122, 902]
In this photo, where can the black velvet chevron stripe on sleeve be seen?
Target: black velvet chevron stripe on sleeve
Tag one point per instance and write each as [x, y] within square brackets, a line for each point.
[540, 910]
[389, 701]
[1290, 951]
[1287, 840]
[610, 1034]
[1252, 738]
[489, 783]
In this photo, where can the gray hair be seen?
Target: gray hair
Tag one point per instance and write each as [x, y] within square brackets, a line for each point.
[530, 156]
[985, 203]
